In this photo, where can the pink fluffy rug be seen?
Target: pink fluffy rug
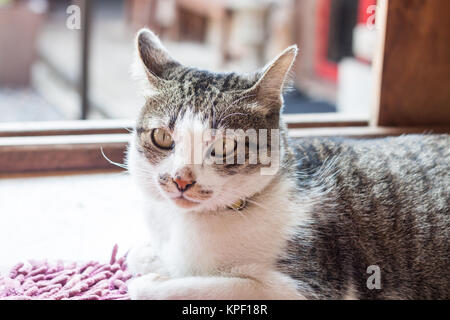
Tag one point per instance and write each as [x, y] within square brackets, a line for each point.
[89, 281]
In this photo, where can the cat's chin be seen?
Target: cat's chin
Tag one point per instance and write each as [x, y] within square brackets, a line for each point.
[185, 203]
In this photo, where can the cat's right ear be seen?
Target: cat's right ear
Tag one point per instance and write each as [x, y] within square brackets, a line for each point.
[272, 81]
[153, 58]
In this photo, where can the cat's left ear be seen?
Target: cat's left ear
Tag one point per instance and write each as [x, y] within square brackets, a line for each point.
[269, 88]
[153, 57]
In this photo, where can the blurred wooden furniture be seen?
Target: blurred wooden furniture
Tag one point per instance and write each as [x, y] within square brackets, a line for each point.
[193, 18]
[141, 13]
[224, 11]
[413, 63]
[19, 30]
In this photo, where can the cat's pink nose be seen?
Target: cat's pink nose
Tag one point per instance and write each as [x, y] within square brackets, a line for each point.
[183, 184]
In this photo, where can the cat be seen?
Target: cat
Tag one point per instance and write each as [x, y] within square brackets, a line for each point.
[335, 219]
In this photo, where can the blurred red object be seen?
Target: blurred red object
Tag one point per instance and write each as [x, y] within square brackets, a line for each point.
[324, 68]
[365, 10]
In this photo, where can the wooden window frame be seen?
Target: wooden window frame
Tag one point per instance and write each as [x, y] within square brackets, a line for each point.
[77, 145]
[52, 147]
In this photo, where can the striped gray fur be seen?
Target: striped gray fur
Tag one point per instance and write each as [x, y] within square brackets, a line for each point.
[385, 202]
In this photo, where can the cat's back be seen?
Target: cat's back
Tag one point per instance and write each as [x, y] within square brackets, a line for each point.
[386, 203]
[415, 164]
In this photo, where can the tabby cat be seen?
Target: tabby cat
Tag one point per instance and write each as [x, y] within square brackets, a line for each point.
[335, 219]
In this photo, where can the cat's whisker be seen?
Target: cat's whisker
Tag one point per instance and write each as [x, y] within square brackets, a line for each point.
[224, 202]
[256, 203]
[130, 130]
[230, 115]
[237, 195]
[236, 101]
[120, 165]
[233, 104]
[143, 170]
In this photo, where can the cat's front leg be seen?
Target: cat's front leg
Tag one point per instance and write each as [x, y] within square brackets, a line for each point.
[142, 260]
[157, 287]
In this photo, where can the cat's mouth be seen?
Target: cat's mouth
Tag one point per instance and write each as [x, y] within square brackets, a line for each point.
[184, 202]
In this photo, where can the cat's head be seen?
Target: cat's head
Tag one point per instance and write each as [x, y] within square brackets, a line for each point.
[199, 140]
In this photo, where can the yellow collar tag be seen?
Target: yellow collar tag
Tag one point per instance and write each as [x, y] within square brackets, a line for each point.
[238, 205]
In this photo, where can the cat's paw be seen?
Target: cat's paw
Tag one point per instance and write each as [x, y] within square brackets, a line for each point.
[146, 287]
[142, 260]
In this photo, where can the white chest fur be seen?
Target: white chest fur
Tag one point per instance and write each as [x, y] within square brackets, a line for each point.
[190, 243]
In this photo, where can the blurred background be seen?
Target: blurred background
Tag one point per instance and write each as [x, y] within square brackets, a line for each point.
[68, 60]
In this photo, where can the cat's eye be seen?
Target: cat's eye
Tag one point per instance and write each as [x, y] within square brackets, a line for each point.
[223, 148]
[162, 139]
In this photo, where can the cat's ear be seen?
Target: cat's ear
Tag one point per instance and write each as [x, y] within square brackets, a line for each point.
[153, 58]
[269, 87]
